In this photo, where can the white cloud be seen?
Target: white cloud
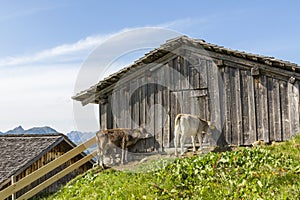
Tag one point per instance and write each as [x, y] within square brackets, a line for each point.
[8, 14]
[79, 50]
[36, 89]
[182, 24]
[60, 54]
[36, 95]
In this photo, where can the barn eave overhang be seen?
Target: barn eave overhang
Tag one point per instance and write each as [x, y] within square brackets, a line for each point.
[93, 94]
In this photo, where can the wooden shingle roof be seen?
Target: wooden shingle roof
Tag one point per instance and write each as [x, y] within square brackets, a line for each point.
[17, 152]
[90, 95]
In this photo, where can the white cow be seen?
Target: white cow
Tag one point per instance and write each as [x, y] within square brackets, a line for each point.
[188, 125]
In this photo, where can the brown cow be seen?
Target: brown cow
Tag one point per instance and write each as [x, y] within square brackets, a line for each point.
[119, 137]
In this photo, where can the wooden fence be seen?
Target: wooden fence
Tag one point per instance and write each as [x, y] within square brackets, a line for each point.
[16, 186]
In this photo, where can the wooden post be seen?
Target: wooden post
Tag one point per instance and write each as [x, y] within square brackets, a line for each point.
[293, 92]
[214, 104]
[13, 180]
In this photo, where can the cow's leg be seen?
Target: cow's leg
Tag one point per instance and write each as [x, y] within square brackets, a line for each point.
[176, 138]
[107, 152]
[100, 157]
[99, 152]
[126, 155]
[101, 149]
[182, 141]
[200, 138]
[122, 156]
[104, 150]
[194, 143]
[123, 146]
[112, 155]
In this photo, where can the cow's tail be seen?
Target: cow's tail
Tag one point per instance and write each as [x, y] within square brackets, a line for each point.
[101, 140]
[177, 120]
[177, 132]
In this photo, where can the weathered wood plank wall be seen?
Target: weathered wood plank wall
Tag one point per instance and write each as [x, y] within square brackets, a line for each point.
[244, 107]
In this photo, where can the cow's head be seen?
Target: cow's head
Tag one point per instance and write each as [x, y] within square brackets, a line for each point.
[140, 133]
[208, 127]
[205, 125]
[211, 126]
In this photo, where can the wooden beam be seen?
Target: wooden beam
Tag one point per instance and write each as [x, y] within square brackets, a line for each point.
[214, 102]
[293, 95]
[13, 180]
[227, 100]
[231, 61]
[46, 169]
[139, 72]
[57, 176]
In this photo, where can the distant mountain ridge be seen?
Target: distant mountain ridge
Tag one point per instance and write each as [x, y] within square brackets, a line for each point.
[79, 137]
[34, 130]
[75, 136]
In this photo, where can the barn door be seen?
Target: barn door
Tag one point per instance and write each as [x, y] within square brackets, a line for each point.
[194, 102]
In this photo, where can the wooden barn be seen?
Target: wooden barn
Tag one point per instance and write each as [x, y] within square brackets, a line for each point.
[20, 155]
[247, 97]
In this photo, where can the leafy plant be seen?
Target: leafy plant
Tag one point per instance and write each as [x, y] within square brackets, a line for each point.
[268, 172]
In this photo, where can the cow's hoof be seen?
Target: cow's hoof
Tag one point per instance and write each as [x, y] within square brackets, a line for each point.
[104, 167]
[123, 163]
[201, 154]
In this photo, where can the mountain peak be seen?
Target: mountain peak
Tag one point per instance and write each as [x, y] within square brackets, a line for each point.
[41, 130]
[75, 136]
[17, 130]
[34, 130]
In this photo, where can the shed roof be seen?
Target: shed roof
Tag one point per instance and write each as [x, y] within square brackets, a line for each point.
[17, 152]
[88, 95]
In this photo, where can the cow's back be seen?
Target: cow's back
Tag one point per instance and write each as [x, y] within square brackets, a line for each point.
[111, 136]
[189, 125]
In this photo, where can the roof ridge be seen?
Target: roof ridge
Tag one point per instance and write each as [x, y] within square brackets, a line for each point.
[271, 58]
[33, 135]
[86, 95]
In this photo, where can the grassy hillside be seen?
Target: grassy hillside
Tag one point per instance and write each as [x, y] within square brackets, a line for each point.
[265, 172]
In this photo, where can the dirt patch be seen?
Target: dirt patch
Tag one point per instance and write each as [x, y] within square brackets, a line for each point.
[137, 159]
[133, 164]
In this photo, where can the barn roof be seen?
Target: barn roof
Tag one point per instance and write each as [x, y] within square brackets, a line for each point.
[17, 152]
[88, 95]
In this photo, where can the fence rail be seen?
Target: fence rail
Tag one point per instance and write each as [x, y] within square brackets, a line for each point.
[15, 187]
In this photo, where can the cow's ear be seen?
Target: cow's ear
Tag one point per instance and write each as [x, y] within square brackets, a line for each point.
[135, 133]
[130, 138]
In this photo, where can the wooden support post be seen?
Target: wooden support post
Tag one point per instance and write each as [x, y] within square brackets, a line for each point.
[293, 95]
[13, 180]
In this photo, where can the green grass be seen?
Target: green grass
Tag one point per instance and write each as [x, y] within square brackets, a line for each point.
[267, 172]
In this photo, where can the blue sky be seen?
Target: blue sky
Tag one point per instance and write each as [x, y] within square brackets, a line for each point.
[44, 43]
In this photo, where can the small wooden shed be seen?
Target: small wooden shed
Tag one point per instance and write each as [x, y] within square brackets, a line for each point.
[20, 155]
[247, 97]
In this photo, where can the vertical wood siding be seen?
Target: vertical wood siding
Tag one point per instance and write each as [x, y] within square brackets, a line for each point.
[243, 108]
